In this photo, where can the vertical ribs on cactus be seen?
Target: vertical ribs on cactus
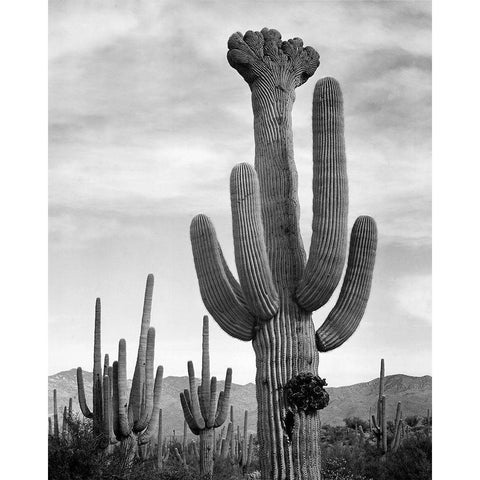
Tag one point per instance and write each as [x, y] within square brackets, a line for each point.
[278, 288]
[203, 413]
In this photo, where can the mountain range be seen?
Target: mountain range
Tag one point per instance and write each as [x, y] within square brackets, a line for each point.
[359, 400]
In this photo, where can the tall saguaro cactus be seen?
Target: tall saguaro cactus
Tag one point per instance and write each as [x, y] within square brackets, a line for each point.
[96, 413]
[135, 418]
[278, 288]
[200, 407]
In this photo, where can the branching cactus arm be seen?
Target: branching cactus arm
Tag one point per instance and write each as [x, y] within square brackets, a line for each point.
[347, 313]
[330, 198]
[249, 240]
[220, 291]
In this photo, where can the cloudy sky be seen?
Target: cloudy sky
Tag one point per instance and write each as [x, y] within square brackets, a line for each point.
[147, 120]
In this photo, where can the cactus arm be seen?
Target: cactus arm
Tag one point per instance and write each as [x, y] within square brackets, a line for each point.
[187, 413]
[330, 199]
[107, 412]
[210, 419]
[146, 411]
[250, 250]
[123, 420]
[396, 434]
[224, 400]
[152, 426]
[115, 402]
[194, 402]
[106, 364]
[134, 407]
[204, 391]
[345, 316]
[81, 395]
[219, 297]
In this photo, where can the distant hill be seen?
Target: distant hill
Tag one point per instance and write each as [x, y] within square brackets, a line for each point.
[415, 393]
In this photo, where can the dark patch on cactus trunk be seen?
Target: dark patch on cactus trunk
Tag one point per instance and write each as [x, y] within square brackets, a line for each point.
[306, 392]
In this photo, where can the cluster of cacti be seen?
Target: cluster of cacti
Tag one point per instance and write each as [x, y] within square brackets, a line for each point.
[379, 422]
[54, 427]
[200, 407]
[278, 289]
[131, 420]
[234, 446]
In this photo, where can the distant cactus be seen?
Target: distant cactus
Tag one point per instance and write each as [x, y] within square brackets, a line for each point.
[163, 452]
[135, 420]
[55, 415]
[278, 289]
[200, 407]
[379, 421]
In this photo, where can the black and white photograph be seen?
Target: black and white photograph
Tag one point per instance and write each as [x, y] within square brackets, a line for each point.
[239, 240]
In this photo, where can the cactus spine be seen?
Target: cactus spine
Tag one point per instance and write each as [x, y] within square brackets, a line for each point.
[278, 288]
[135, 420]
[200, 407]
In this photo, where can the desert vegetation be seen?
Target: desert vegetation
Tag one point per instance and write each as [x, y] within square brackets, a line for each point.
[122, 435]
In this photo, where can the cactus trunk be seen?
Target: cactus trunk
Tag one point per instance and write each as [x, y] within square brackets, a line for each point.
[206, 452]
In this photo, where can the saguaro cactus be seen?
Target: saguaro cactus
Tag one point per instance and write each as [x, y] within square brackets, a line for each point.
[200, 407]
[380, 421]
[278, 289]
[96, 413]
[135, 421]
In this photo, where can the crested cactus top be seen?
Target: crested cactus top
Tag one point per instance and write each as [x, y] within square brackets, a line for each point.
[263, 55]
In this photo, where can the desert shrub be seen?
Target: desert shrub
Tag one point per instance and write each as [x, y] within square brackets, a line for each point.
[354, 422]
[412, 461]
[412, 420]
[77, 457]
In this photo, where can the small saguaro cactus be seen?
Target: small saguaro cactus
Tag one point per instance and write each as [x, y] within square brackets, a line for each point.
[200, 407]
[162, 453]
[135, 419]
[278, 288]
[379, 422]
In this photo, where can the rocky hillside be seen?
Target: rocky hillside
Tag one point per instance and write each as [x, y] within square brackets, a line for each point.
[415, 393]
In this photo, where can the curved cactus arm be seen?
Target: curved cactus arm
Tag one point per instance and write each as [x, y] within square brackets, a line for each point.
[204, 390]
[152, 426]
[210, 420]
[187, 413]
[224, 400]
[125, 428]
[194, 402]
[214, 278]
[147, 405]
[330, 199]
[250, 250]
[345, 316]
[135, 402]
[81, 395]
